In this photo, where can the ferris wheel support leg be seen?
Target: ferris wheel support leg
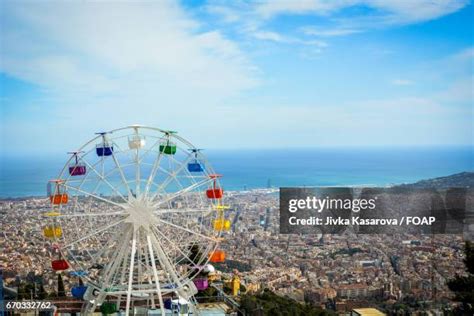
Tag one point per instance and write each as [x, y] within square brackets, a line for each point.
[194, 304]
[130, 275]
[165, 262]
[155, 274]
[122, 278]
[109, 272]
[148, 268]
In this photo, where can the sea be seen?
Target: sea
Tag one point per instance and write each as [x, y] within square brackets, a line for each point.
[26, 175]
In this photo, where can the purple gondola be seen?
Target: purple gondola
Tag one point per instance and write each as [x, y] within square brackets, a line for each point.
[76, 168]
[201, 284]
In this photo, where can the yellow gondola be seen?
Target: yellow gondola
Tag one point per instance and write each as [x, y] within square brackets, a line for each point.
[52, 232]
[222, 224]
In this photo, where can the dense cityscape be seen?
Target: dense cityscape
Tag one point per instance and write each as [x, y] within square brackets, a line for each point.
[337, 272]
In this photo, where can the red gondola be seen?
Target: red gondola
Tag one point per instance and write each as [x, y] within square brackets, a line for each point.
[59, 265]
[215, 192]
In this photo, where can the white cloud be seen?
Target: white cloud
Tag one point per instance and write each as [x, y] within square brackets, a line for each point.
[104, 65]
[315, 31]
[393, 11]
[269, 36]
[279, 38]
[99, 47]
[383, 13]
[268, 9]
[227, 14]
[404, 12]
[152, 64]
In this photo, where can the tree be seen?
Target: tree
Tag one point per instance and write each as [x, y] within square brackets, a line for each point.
[61, 291]
[42, 294]
[463, 286]
[268, 303]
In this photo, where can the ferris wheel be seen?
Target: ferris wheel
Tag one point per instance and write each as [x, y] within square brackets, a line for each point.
[136, 215]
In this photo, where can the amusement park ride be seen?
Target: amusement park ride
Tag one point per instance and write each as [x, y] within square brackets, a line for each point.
[136, 217]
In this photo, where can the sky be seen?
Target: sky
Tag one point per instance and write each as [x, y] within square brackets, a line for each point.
[238, 74]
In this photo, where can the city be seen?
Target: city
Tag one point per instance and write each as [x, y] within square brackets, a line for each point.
[335, 272]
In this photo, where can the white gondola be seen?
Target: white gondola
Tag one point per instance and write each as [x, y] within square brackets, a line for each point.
[136, 142]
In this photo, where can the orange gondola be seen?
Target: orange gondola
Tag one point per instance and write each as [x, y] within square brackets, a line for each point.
[57, 194]
[217, 256]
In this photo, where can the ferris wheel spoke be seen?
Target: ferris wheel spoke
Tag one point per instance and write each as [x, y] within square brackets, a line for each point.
[150, 149]
[187, 230]
[93, 195]
[174, 174]
[122, 175]
[182, 191]
[94, 233]
[130, 275]
[176, 247]
[109, 273]
[90, 214]
[107, 247]
[164, 260]
[122, 277]
[182, 211]
[111, 268]
[103, 179]
[155, 274]
[153, 171]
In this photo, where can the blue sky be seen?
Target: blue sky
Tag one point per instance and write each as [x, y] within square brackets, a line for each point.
[238, 74]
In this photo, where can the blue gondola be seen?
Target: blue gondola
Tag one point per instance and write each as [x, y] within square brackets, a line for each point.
[167, 304]
[195, 165]
[104, 148]
[78, 291]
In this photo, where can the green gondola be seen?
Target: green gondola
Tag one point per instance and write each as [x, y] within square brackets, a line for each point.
[108, 308]
[168, 148]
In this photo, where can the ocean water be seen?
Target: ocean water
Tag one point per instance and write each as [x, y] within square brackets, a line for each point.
[27, 175]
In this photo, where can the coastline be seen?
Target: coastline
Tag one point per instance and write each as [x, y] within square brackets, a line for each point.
[465, 177]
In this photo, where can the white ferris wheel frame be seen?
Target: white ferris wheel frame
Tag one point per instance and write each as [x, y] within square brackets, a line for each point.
[154, 243]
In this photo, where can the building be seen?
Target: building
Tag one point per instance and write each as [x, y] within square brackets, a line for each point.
[366, 312]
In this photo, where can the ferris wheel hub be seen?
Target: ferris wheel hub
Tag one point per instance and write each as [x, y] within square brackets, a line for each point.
[140, 212]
